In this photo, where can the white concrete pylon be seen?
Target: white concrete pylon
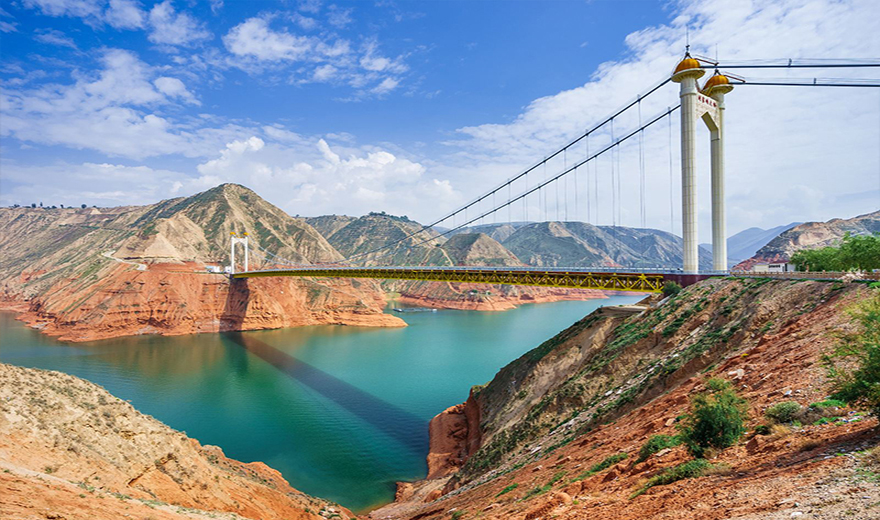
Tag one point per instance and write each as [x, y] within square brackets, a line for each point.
[238, 240]
[716, 87]
[706, 104]
[687, 73]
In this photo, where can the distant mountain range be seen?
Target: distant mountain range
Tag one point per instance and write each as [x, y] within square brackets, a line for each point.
[748, 241]
[544, 244]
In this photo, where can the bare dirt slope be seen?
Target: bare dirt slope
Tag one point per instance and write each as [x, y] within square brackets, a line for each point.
[70, 450]
[522, 447]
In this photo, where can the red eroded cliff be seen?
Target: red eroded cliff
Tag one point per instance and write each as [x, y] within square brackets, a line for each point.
[173, 299]
[479, 297]
[454, 436]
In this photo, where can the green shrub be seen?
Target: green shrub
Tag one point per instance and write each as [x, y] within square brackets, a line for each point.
[671, 288]
[657, 443]
[537, 490]
[783, 412]
[458, 514]
[605, 464]
[762, 429]
[716, 384]
[691, 469]
[715, 421]
[854, 364]
[855, 252]
[508, 489]
[556, 478]
[828, 403]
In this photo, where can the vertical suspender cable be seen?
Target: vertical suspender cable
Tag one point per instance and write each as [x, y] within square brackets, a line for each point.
[556, 189]
[641, 168]
[671, 178]
[613, 198]
[596, 189]
[546, 212]
[589, 216]
[619, 198]
[565, 186]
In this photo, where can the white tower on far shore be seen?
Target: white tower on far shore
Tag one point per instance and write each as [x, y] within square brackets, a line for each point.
[238, 240]
[706, 104]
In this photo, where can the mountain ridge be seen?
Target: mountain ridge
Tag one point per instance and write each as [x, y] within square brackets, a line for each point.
[85, 274]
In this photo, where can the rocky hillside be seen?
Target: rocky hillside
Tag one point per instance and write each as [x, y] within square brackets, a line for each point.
[499, 232]
[478, 249]
[813, 235]
[102, 272]
[557, 433]
[69, 449]
[360, 237]
[579, 244]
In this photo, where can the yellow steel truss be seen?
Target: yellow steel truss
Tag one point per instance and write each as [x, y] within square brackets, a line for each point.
[635, 282]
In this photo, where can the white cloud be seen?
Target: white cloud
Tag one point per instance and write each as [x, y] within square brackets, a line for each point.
[120, 14]
[174, 88]
[325, 72]
[7, 27]
[310, 177]
[125, 14]
[53, 37]
[310, 6]
[257, 47]
[373, 61]
[169, 27]
[254, 38]
[79, 8]
[386, 86]
[102, 184]
[339, 17]
[305, 22]
[111, 112]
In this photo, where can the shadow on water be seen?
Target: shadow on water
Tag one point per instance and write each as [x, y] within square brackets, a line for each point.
[404, 427]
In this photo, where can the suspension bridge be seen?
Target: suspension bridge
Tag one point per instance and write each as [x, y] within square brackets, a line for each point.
[696, 104]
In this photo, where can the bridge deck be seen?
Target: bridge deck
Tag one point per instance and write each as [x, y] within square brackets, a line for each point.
[610, 280]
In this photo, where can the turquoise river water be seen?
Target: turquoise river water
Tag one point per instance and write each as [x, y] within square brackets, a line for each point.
[342, 412]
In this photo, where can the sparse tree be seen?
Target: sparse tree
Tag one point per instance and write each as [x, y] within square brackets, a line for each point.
[854, 364]
[83, 206]
[33, 204]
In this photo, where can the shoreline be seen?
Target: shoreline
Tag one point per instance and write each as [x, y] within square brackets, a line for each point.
[23, 311]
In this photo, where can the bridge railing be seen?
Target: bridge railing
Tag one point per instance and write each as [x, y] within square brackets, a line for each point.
[620, 270]
[814, 275]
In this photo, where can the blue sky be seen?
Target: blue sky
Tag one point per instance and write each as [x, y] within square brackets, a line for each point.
[411, 107]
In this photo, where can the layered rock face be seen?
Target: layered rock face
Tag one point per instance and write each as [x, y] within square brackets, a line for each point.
[813, 235]
[548, 421]
[85, 274]
[69, 449]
